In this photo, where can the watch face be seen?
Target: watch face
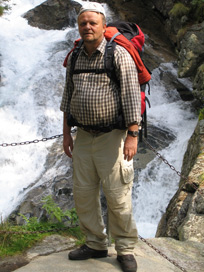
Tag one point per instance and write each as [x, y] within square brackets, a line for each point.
[133, 133]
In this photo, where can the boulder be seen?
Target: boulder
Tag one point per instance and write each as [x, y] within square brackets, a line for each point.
[53, 14]
[191, 55]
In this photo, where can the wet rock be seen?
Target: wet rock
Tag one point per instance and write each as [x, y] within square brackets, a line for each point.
[184, 217]
[9, 264]
[51, 244]
[57, 186]
[198, 83]
[191, 55]
[53, 14]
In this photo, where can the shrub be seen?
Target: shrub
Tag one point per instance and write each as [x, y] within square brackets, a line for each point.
[198, 10]
[179, 10]
[201, 114]
[1, 10]
[56, 213]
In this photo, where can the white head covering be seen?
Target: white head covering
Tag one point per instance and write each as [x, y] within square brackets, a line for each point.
[92, 6]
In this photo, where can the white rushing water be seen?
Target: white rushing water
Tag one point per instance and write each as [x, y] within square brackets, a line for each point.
[158, 182]
[32, 80]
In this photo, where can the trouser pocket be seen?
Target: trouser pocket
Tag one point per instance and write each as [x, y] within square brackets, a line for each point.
[127, 171]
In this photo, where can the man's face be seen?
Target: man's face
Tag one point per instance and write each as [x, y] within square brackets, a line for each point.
[91, 27]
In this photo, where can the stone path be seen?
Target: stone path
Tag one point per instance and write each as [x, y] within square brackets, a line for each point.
[51, 256]
[58, 262]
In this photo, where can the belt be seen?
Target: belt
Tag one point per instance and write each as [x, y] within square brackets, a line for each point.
[92, 131]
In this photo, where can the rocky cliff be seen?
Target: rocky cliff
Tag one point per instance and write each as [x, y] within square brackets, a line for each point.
[184, 217]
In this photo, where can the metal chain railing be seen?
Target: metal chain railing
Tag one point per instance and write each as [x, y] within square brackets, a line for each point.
[195, 186]
[162, 254]
[32, 142]
[38, 231]
[141, 238]
[35, 141]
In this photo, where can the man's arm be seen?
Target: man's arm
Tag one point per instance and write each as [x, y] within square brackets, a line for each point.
[130, 146]
[67, 138]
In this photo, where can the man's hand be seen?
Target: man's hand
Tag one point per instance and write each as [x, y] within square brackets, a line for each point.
[67, 138]
[130, 147]
[68, 144]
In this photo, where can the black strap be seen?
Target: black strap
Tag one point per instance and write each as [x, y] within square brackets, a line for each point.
[96, 71]
[74, 56]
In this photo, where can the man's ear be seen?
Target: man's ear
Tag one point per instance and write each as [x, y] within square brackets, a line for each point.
[104, 28]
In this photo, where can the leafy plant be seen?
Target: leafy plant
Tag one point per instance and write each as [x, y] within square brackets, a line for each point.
[198, 9]
[1, 10]
[179, 10]
[3, 6]
[201, 114]
[56, 212]
[16, 239]
[13, 240]
[197, 2]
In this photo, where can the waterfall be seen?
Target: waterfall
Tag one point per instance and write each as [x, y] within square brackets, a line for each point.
[157, 183]
[32, 82]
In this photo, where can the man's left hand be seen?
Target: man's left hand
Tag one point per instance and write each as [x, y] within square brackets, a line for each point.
[130, 147]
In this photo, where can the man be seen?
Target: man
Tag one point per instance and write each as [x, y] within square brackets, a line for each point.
[103, 150]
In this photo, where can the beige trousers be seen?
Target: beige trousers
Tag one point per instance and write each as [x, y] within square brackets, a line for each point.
[98, 160]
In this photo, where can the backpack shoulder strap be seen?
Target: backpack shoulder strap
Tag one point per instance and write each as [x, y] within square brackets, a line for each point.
[109, 58]
[143, 75]
[66, 59]
[75, 55]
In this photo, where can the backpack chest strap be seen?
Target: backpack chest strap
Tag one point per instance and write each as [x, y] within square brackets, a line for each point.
[84, 71]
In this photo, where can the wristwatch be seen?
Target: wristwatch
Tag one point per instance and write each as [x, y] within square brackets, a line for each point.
[133, 133]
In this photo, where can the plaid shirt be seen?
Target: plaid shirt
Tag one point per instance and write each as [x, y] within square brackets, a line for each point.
[93, 99]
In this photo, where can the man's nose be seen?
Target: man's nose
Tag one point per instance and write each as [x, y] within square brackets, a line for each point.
[87, 26]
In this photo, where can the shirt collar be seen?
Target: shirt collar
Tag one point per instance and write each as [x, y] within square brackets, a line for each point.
[100, 48]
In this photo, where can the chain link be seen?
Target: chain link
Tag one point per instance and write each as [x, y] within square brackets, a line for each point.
[38, 231]
[35, 141]
[171, 167]
[32, 142]
[162, 254]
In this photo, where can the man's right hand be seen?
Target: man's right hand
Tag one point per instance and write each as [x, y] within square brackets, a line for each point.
[67, 139]
[68, 144]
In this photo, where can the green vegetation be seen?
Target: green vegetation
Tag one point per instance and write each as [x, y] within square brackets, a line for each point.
[195, 10]
[187, 14]
[15, 239]
[1, 10]
[3, 6]
[198, 10]
[197, 3]
[179, 10]
[181, 32]
[201, 114]
[56, 213]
